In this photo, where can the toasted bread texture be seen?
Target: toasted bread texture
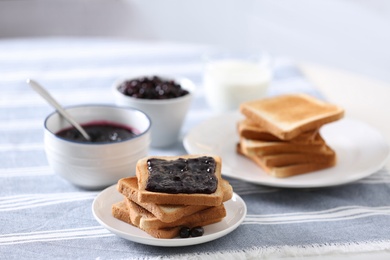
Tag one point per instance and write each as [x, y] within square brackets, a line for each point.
[288, 116]
[146, 220]
[249, 130]
[287, 165]
[256, 147]
[166, 213]
[293, 169]
[279, 160]
[121, 211]
[207, 199]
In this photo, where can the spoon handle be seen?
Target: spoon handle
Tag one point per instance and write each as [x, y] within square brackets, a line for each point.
[40, 90]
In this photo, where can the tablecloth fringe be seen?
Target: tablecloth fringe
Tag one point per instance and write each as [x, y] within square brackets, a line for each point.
[289, 251]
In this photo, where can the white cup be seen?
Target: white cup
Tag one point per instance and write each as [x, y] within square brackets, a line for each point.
[231, 78]
[167, 115]
[96, 165]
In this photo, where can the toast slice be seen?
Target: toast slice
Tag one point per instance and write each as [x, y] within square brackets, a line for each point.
[283, 159]
[166, 213]
[256, 147]
[279, 160]
[146, 220]
[288, 169]
[197, 176]
[249, 130]
[293, 169]
[288, 116]
[122, 212]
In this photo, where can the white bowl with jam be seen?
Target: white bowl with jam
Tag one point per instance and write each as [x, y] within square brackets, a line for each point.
[166, 100]
[119, 138]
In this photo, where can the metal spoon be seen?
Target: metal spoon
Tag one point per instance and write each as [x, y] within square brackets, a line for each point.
[42, 91]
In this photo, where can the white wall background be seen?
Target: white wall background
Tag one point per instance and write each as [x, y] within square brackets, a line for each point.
[349, 34]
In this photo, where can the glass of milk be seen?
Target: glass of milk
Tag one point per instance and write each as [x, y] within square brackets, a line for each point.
[231, 78]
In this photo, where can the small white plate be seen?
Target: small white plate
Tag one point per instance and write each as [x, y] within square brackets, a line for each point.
[361, 151]
[101, 208]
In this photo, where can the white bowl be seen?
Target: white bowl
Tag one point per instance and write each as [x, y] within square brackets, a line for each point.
[96, 165]
[167, 115]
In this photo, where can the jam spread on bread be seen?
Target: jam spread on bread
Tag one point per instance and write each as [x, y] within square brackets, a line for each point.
[192, 175]
[100, 132]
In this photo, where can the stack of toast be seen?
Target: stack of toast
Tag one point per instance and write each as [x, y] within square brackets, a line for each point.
[281, 134]
[162, 213]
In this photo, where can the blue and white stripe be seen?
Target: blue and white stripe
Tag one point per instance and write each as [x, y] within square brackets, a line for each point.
[62, 215]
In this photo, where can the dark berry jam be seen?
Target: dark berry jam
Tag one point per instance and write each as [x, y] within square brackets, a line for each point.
[152, 88]
[194, 175]
[197, 232]
[100, 132]
[184, 232]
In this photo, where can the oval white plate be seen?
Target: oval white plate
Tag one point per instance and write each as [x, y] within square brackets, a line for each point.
[361, 151]
[101, 208]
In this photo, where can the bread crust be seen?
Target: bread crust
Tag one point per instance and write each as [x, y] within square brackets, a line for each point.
[280, 160]
[166, 213]
[291, 168]
[146, 220]
[122, 212]
[256, 147]
[144, 196]
[295, 169]
[249, 130]
[287, 116]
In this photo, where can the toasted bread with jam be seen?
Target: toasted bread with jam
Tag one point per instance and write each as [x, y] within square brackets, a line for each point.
[184, 180]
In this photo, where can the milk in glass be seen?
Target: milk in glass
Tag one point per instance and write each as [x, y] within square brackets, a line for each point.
[230, 82]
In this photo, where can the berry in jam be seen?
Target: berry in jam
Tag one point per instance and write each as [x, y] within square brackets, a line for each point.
[152, 88]
[100, 132]
[197, 232]
[184, 232]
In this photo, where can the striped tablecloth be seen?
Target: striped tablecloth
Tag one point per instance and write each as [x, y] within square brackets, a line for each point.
[42, 216]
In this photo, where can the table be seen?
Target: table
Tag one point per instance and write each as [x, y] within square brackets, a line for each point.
[43, 216]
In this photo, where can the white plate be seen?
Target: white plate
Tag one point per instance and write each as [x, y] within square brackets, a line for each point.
[361, 151]
[101, 208]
